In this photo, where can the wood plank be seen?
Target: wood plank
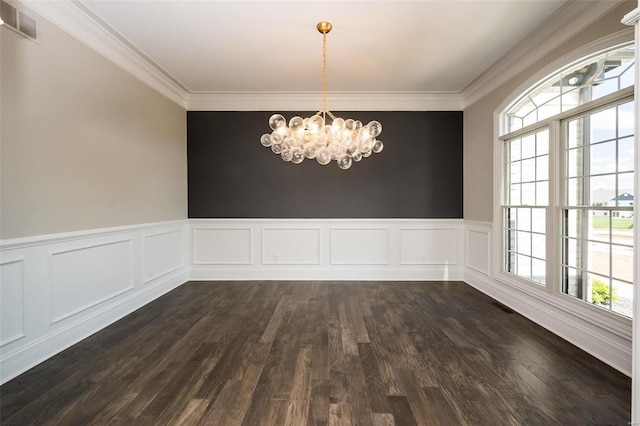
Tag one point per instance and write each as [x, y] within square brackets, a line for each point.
[441, 409]
[193, 412]
[382, 419]
[401, 410]
[340, 415]
[298, 409]
[284, 305]
[360, 333]
[357, 391]
[349, 343]
[375, 388]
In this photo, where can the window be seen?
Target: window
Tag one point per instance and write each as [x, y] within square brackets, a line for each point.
[597, 219]
[568, 182]
[526, 209]
[590, 79]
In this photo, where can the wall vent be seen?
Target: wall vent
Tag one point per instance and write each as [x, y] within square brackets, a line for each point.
[503, 308]
[9, 15]
[18, 20]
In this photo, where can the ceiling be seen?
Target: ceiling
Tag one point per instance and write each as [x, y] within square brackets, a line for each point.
[437, 46]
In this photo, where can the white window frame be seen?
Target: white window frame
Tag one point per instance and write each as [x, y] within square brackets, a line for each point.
[551, 292]
[623, 96]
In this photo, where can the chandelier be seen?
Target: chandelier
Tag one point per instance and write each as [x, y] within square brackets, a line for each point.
[344, 141]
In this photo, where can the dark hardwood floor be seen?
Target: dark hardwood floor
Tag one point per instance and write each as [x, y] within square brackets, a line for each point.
[338, 353]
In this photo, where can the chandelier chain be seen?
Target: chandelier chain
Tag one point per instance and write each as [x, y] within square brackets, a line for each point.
[324, 73]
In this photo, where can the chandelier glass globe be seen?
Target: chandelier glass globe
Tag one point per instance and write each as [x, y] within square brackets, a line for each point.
[344, 141]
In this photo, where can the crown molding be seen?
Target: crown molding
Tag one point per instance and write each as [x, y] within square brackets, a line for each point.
[77, 20]
[73, 18]
[632, 17]
[312, 101]
[572, 18]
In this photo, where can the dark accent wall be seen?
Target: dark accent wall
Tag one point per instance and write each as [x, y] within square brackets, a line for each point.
[417, 175]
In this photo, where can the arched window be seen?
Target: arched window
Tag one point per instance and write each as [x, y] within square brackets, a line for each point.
[567, 176]
[589, 79]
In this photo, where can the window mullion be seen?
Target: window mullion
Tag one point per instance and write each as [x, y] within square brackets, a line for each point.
[586, 200]
[552, 213]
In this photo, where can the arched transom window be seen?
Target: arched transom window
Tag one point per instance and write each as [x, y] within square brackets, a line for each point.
[579, 83]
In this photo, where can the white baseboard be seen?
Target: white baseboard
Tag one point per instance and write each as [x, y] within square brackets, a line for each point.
[59, 289]
[604, 337]
[24, 358]
[323, 275]
[608, 347]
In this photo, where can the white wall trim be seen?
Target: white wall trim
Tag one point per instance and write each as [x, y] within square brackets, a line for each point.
[322, 274]
[103, 269]
[334, 260]
[605, 336]
[51, 279]
[79, 21]
[564, 24]
[428, 260]
[39, 350]
[21, 303]
[475, 233]
[39, 240]
[632, 17]
[344, 101]
[276, 260]
[607, 347]
[181, 264]
[378, 257]
[196, 258]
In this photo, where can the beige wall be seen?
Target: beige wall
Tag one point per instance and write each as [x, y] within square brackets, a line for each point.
[83, 144]
[478, 118]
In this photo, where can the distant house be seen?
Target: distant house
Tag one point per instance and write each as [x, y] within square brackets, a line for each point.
[623, 200]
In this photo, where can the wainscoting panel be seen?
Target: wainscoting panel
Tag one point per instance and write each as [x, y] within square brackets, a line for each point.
[220, 246]
[84, 277]
[291, 246]
[58, 289]
[326, 249]
[11, 301]
[429, 246]
[359, 246]
[163, 253]
[478, 246]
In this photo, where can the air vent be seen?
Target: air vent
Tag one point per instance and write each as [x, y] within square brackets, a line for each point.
[27, 25]
[503, 308]
[18, 20]
[9, 15]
